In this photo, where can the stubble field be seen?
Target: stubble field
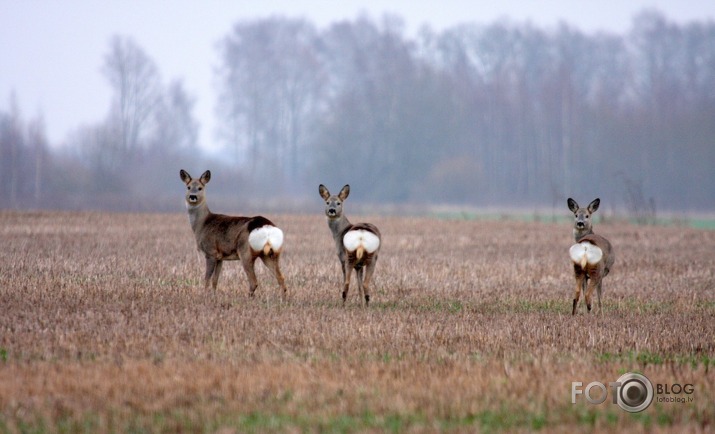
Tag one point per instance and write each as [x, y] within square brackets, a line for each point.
[105, 327]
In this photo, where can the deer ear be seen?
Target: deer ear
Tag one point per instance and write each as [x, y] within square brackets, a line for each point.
[593, 206]
[185, 176]
[573, 206]
[206, 177]
[344, 192]
[324, 193]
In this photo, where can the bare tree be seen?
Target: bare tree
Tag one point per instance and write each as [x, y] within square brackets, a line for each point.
[176, 129]
[11, 146]
[270, 83]
[99, 151]
[38, 145]
[137, 90]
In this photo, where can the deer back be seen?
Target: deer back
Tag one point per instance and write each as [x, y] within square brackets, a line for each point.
[222, 236]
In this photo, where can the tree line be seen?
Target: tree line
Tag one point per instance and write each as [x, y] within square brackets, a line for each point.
[503, 114]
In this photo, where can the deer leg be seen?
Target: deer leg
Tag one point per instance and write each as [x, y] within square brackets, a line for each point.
[592, 284]
[210, 268]
[272, 264]
[343, 263]
[368, 275]
[216, 274]
[347, 271]
[359, 273]
[249, 262]
[598, 291]
[580, 280]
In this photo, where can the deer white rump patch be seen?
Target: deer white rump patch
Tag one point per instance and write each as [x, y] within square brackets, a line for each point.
[585, 253]
[354, 239]
[265, 235]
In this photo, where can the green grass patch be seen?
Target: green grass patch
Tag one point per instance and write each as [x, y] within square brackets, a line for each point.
[705, 305]
[502, 419]
[708, 224]
[550, 306]
[519, 306]
[648, 358]
[642, 307]
[450, 306]
[437, 305]
[263, 422]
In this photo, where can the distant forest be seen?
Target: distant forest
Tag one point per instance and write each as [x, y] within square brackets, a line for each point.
[501, 115]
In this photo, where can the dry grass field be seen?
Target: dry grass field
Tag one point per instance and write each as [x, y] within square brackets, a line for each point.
[105, 327]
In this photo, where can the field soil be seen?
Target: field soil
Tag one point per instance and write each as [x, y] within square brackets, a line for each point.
[105, 326]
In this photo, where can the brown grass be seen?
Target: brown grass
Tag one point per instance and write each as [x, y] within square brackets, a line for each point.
[105, 326]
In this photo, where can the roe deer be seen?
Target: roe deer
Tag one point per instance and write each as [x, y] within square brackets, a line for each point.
[358, 244]
[225, 238]
[592, 255]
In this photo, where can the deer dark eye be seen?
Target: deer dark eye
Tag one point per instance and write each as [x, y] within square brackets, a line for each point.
[188, 187]
[201, 188]
[588, 216]
[327, 202]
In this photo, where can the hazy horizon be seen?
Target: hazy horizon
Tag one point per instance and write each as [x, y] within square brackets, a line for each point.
[51, 53]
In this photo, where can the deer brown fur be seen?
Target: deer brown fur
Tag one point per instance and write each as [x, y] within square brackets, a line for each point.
[592, 255]
[358, 245]
[225, 238]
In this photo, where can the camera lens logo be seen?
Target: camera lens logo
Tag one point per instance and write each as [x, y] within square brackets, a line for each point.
[635, 392]
[632, 392]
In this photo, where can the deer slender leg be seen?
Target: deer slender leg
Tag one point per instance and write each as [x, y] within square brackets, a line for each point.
[210, 268]
[368, 278]
[592, 284]
[272, 264]
[580, 279]
[249, 262]
[346, 284]
[343, 263]
[217, 273]
[359, 273]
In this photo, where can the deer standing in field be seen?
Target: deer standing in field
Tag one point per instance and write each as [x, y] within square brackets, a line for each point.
[592, 255]
[358, 244]
[226, 238]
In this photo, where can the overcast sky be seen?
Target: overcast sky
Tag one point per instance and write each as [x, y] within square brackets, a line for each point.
[51, 51]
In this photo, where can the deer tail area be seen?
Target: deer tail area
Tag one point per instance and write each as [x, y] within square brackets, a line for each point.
[268, 239]
[361, 241]
[585, 253]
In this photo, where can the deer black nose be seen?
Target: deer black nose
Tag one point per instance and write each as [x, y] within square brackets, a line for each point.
[331, 211]
[579, 224]
[193, 198]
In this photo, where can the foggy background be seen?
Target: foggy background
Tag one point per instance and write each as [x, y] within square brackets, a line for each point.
[504, 114]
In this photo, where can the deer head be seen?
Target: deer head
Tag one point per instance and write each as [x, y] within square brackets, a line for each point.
[195, 195]
[582, 217]
[334, 204]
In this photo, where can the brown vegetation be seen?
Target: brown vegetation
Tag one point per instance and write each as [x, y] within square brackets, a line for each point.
[105, 326]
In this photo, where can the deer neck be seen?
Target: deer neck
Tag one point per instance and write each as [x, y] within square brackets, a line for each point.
[580, 233]
[198, 215]
[337, 227]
